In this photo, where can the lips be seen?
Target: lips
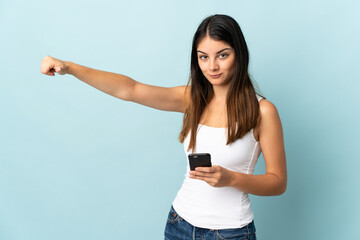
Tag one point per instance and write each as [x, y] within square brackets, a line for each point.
[216, 76]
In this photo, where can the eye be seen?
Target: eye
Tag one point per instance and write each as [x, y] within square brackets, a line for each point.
[202, 57]
[223, 55]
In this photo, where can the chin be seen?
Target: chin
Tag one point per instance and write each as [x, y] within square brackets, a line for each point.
[218, 82]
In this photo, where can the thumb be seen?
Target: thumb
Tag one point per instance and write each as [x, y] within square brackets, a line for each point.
[57, 69]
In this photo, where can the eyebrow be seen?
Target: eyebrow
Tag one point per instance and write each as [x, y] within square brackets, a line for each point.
[217, 52]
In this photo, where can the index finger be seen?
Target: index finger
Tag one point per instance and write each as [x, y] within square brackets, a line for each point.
[205, 169]
[46, 68]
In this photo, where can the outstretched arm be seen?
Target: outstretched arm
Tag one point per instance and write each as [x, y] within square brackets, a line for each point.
[120, 86]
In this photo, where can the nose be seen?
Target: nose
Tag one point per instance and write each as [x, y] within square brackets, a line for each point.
[213, 65]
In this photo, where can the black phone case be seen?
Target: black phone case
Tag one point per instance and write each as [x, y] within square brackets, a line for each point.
[199, 160]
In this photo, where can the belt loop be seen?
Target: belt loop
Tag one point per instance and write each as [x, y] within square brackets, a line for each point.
[247, 226]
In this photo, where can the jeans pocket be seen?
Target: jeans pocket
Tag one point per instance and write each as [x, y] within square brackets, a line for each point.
[233, 234]
[173, 217]
[244, 233]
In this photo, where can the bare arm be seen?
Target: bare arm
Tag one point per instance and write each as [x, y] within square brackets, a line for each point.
[274, 181]
[120, 86]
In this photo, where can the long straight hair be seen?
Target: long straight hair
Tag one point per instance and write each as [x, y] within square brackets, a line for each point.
[242, 104]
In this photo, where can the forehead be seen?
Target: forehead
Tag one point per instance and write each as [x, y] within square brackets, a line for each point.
[209, 45]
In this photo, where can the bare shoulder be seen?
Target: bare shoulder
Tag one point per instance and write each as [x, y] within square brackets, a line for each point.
[267, 109]
[269, 118]
[270, 123]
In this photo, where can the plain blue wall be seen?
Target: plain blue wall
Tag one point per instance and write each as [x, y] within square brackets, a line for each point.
[79, 164]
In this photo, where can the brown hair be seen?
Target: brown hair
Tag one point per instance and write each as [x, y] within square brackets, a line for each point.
[242, 105]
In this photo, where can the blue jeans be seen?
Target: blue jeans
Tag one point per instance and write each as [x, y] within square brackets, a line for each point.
[179, 229]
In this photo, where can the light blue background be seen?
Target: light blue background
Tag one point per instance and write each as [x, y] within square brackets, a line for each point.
[79, 164]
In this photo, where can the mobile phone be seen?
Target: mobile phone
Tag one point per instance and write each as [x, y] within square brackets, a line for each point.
[199, 160]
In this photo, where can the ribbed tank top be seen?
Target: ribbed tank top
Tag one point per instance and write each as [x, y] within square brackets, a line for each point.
[218, 208]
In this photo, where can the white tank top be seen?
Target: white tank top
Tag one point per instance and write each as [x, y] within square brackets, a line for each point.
[218, 208]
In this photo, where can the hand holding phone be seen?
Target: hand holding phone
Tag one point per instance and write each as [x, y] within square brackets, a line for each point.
[199, 160]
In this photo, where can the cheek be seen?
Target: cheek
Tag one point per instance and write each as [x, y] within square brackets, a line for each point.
[202, 66]
[230, 66]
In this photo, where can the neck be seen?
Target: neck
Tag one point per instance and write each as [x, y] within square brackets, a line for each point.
[220, 93]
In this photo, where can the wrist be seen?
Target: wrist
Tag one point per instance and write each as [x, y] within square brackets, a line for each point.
[68, 67]
[233, 179]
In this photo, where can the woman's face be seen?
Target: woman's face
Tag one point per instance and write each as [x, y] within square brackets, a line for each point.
[216, 60]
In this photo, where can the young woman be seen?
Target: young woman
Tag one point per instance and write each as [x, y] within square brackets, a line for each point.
[223, 116]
